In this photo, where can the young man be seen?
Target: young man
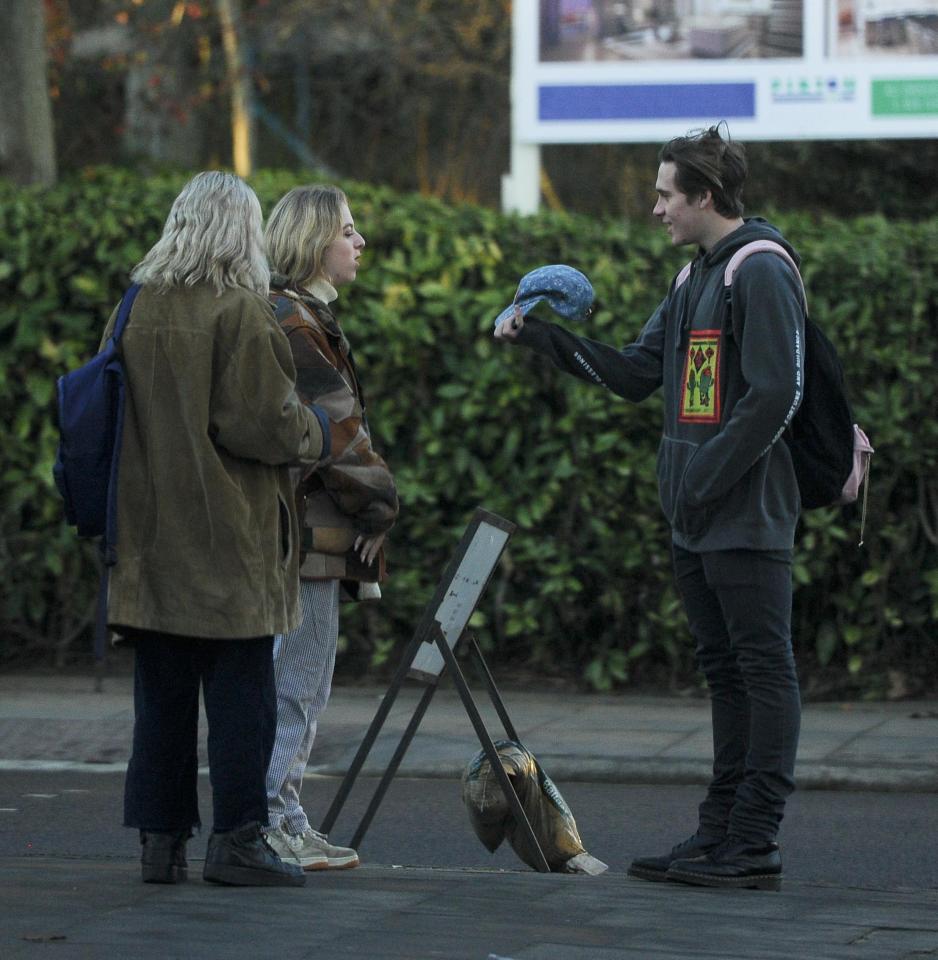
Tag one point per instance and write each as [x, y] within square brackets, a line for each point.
[732, 377]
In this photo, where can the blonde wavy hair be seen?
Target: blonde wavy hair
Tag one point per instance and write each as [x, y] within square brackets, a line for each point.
[213, 234]
[300, 229]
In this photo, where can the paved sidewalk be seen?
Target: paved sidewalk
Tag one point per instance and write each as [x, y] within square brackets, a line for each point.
[97, 909]
[94, 906]
[46, 720]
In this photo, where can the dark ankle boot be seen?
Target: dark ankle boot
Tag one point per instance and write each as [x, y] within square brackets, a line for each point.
[656, 868]
[243, 857]
[734, 863]
[163, 856]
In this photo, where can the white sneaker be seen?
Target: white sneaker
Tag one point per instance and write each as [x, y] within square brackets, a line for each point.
[313, 851]
[279, 841]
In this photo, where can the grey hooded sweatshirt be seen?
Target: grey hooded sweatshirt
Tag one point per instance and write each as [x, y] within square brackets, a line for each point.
[732, 377]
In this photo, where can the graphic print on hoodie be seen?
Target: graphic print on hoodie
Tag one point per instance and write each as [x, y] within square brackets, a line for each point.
[700, 398]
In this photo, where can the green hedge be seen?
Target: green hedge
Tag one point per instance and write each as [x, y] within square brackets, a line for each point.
[584, 590]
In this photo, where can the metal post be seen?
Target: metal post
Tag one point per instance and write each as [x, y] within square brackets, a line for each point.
[359, 761]
[388, 776]
[489, 682]
[489, 748]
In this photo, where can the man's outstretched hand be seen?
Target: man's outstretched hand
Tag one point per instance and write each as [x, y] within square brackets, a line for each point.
[511, 326]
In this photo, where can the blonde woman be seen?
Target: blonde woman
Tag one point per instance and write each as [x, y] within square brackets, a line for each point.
[207, 553]
[346, 504]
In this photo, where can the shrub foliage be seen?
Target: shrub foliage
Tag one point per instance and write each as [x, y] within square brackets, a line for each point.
[584, 590]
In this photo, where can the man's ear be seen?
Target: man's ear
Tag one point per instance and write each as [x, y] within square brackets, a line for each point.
[705, 199]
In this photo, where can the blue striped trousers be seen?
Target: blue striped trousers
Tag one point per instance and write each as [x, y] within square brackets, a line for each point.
[303, 663]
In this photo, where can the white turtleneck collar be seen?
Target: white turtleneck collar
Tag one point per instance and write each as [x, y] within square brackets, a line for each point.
[323, 290]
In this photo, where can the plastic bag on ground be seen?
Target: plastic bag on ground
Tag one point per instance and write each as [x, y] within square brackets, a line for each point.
[548, 814]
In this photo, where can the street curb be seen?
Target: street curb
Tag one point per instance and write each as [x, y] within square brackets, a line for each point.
[810, 776]
[565, 769]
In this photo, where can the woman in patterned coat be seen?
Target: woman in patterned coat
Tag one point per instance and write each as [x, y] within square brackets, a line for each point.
[346, 503]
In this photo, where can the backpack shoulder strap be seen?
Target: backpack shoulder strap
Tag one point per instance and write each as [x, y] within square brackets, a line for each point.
[761, 246]
[746, 250]
[123, 312]
[683, 275]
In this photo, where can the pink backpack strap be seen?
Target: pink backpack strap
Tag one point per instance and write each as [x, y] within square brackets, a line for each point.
[747, 250]
[859, 475]
[761, 246]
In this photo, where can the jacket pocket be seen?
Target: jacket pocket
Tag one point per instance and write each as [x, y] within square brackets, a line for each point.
[325, 528]
[335, 540]
[286, 537]
[674, 459]
[690, 522]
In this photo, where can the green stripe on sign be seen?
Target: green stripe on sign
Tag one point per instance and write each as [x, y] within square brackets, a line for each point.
[905, 97]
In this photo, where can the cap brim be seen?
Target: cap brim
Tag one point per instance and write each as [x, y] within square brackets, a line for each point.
[523, 305]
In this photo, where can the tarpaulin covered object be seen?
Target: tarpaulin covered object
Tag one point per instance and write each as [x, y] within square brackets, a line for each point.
[550, 817]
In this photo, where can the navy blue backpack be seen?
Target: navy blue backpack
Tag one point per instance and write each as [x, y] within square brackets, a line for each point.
[91, 417]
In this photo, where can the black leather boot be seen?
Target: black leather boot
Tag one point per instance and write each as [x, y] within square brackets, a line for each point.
[163, 856]
[734, 863]
[656, 868]
[243, 858]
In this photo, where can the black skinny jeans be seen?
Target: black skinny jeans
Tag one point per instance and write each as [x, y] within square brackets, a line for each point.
[738, 604]
[237, 680]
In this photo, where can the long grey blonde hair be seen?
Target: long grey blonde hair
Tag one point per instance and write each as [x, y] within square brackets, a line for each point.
[300, 229]
[213, 235]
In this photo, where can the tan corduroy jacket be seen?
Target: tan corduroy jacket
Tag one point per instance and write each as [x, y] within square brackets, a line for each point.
[207, 540]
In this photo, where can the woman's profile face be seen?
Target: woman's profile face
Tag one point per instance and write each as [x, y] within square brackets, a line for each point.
[340, 262]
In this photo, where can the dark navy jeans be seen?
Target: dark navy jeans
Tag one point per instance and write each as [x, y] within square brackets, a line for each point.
[237, 681]
[738, 605]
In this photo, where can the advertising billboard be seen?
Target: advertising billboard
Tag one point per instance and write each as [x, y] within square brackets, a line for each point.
[606, 71]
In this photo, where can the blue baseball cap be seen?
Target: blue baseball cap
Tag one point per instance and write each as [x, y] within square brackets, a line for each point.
[565, 290]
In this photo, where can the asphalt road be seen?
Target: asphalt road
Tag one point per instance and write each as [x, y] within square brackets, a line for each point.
[882, 841]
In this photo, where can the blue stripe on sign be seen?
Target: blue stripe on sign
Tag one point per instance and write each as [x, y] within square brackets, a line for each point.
[651, 101]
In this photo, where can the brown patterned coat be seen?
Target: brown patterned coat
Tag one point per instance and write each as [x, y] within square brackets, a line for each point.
[351, 492]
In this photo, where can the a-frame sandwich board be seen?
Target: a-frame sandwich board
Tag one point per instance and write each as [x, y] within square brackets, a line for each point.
[432, 650]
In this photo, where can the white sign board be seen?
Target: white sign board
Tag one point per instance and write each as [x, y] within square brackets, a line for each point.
[462, 591]
[604, 71]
